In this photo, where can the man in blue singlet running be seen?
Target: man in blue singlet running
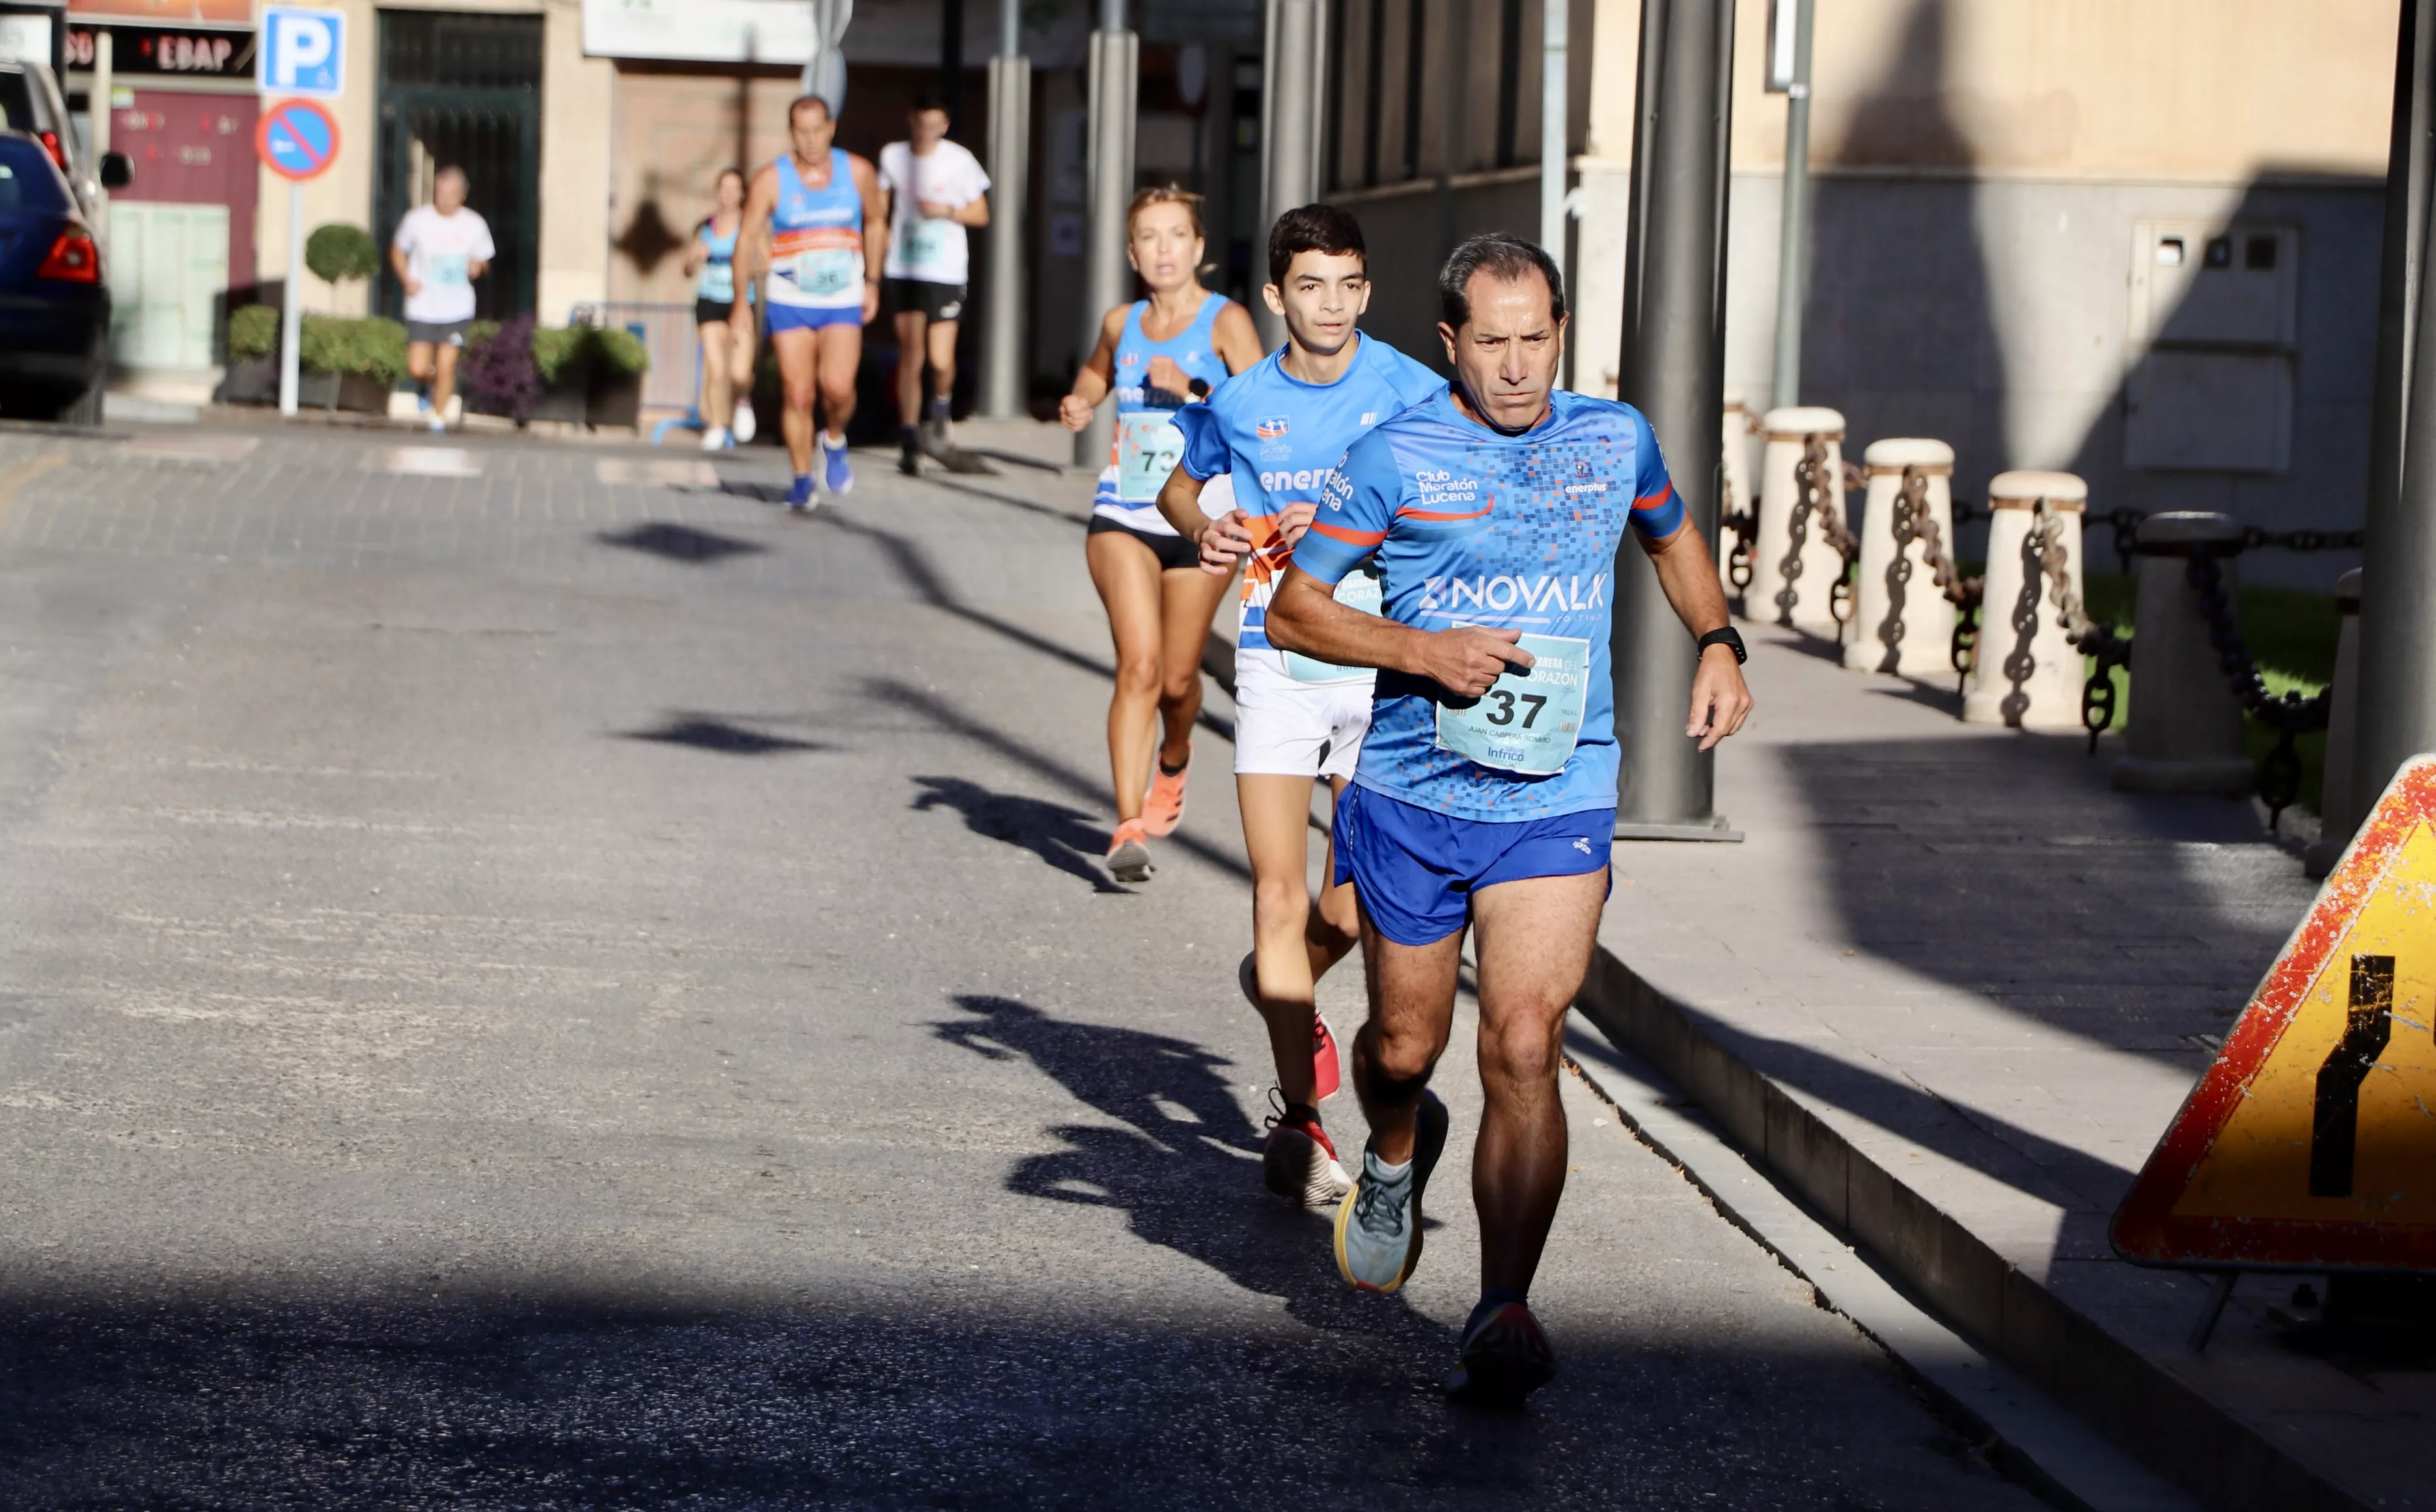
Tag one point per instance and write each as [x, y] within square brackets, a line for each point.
[1274, 430]
[1484, 797]
[814, 222]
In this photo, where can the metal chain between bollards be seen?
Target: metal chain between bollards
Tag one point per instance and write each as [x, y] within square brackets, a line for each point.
[2125, 523]
[2094, 638]
[1745, 524]
[2288, 714]
[1810, 496]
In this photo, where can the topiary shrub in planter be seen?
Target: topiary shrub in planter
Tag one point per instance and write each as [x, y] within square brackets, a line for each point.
[581, 374]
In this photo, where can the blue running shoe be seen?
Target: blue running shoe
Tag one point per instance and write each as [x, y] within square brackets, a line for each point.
[1504, 1357]
[1379, 1224]
[799, 498]
[835, 476]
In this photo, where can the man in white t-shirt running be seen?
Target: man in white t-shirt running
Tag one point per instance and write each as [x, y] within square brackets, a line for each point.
[438, 251]
[935, 189]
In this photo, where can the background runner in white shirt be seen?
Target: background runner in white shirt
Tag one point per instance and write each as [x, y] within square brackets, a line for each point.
[438, 251]
[935, 190]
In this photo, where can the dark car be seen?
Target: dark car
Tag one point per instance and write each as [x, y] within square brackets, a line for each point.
[54, 305]
[31, 102]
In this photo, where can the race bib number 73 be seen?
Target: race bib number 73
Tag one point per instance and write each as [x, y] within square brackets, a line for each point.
[1531, 717]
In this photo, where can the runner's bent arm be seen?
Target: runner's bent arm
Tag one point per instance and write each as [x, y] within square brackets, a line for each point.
[1305, 617]
[1688, 576]
[1098, 375]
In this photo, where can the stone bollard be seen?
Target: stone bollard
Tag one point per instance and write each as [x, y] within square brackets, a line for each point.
[2339, 806]
[2027, 673]
[1738, 498]
[2185, 729]
[1902, 621]
[1791, 534]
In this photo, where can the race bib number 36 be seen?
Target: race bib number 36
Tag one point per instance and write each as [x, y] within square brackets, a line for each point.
[826, 272]
[1530, 718]
[1148, 449]
[1359, 590]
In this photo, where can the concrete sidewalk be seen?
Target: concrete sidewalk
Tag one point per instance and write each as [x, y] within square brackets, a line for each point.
[1950, 991]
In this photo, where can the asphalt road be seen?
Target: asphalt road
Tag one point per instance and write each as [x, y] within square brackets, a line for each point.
[534, 981]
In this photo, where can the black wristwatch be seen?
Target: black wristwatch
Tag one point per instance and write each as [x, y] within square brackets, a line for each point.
[1728, 636]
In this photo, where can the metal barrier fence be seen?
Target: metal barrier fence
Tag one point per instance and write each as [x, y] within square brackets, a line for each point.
[674, 381]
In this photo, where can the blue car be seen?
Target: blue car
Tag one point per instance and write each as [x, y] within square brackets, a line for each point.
[54, 302]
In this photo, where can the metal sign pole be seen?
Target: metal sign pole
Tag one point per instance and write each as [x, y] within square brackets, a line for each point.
[1107, 278]
[2397, 667]
[1673, 369]
[1289, 127]
[1004, 369]
[1793, 233]
[291, 314]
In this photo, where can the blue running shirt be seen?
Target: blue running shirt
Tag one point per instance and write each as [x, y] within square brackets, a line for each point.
[1149, 413]
[1474, 528]
[1279, 436]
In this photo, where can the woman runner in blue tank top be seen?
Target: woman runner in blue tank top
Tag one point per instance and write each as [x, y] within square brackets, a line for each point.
[726, 397]
[1155, 355]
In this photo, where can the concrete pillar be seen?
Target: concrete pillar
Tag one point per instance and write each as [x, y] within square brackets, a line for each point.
[1735, 495]
[1108, 177]
[2185, 729]
[2027, 674]
[2339, 807]
[1294, 84]
[1007, 365]
[1902, 621]
[1792, 581]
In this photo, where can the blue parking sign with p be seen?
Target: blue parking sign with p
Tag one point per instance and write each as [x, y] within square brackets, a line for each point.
[302, 53]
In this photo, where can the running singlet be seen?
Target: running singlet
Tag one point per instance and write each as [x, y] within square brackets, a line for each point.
[816, 240]
[1472, 528]
[1148, 444]
[1279, 436]
[718, 281]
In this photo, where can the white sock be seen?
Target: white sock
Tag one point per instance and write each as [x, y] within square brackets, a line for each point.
[1385, 1172]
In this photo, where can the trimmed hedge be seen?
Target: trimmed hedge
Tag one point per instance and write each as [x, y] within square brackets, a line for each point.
[561, 350]
[338, 252]
[374, 348]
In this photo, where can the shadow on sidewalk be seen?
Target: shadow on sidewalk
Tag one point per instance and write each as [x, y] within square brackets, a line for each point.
[679, 543]
[713, 732]
[1186, 1167]
[1065, 838]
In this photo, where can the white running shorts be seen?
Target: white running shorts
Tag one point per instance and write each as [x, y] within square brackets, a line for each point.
[1296, 729]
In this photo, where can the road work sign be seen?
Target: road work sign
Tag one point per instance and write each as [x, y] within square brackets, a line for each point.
[2311, 1141]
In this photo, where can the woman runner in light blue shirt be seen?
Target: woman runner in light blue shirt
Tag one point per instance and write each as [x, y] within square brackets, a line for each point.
[1156, 355]
[726, 349]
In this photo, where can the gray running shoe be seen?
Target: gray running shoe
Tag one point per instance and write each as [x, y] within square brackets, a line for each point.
[1129, 854]
[1379, 1224]
[1505, 1358]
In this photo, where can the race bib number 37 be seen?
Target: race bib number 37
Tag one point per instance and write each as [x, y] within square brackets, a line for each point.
[1148, 449]
[1530, 718]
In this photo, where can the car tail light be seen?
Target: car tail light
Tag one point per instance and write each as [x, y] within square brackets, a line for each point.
[74, 259]
[51, 143]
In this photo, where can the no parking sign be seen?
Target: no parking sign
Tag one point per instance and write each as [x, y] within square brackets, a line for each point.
[297, 139]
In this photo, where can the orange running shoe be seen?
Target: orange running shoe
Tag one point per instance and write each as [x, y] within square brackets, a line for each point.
[1326, 1073]
[1163, 807]
[1129, 853]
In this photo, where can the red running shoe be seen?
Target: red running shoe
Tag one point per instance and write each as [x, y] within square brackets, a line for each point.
[1163, 805]
[1326, 1073]
[1298, 1160]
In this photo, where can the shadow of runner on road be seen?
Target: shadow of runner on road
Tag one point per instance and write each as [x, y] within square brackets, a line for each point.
[1185, 1170]
[1065, 838]
[679, 543]
[713, 732]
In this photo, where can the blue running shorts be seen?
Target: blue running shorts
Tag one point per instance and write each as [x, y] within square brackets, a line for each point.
[798, 318]
[1415, 870]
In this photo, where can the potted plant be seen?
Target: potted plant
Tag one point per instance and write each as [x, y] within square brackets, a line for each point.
[341, 363]
[579, 375]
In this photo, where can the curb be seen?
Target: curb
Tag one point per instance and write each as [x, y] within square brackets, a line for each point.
[2133, 1400]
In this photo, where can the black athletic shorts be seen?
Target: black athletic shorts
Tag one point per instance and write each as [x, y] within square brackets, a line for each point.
[933, 302]
[1174, 551]
[712, 311]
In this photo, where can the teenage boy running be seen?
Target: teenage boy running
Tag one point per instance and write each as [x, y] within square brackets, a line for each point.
[1486, 794]
[1276, 429]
